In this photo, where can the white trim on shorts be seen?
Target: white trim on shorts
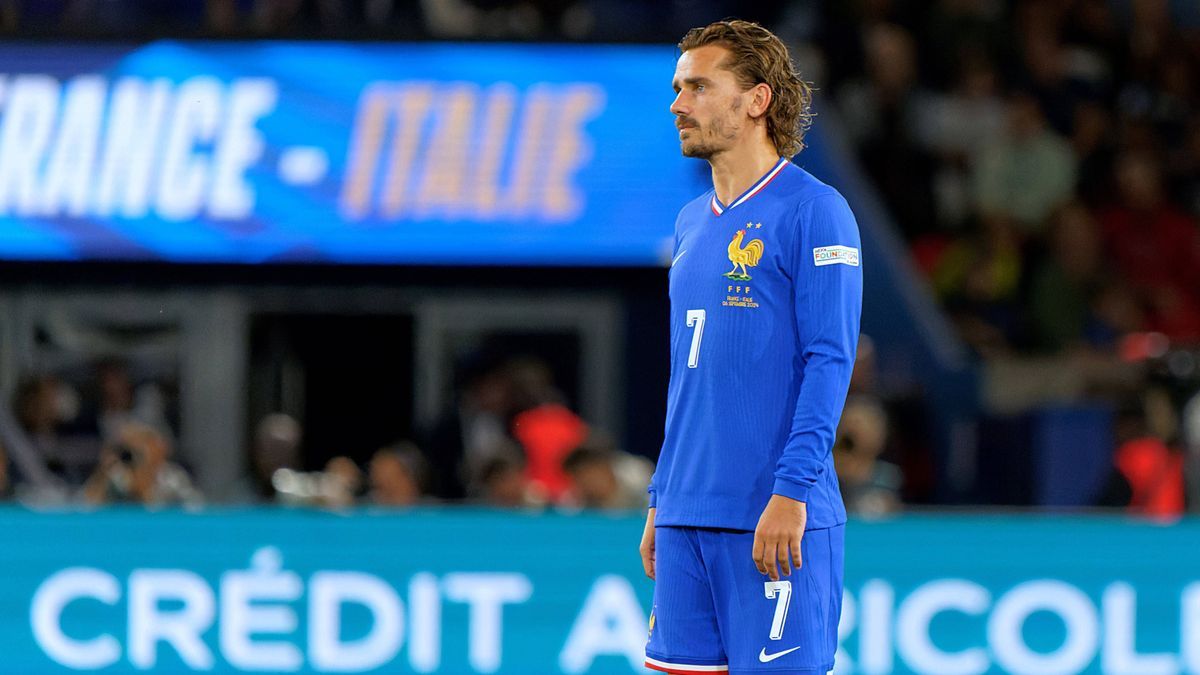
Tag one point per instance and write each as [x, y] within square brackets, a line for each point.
[683, 668]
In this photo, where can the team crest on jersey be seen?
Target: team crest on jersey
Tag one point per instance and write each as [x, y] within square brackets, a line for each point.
[744, 255]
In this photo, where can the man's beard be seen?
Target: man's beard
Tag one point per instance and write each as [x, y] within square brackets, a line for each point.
[698, 148]
[705, 148]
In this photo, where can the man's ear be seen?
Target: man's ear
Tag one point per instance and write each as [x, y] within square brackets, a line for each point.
[760, 100]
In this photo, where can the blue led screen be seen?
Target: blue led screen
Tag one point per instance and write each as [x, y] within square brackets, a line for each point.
[340, 153]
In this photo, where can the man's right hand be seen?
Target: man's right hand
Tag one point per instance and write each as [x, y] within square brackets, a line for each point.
[647, 547]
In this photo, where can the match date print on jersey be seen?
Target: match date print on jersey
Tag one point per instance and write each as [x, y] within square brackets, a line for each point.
[738, 300]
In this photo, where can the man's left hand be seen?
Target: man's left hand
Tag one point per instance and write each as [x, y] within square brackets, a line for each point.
[779, 531]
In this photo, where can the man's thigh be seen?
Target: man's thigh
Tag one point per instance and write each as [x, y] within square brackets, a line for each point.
[788, 625]
[684, 636]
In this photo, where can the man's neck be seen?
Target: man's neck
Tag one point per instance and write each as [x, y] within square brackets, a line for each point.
[736, 169]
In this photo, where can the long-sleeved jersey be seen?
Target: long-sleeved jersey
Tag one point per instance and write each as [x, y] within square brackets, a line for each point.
[766, 295]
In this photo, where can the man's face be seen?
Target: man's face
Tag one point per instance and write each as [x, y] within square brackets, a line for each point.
[596, 484]
[709, 107]
[392, 484]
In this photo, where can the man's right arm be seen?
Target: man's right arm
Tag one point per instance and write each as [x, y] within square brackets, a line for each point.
[647, 547]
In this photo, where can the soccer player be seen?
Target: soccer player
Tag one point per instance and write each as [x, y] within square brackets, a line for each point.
[745, 532]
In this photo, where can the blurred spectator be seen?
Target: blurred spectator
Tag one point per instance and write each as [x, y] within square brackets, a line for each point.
[135, 467]
[978, 278]
[953, 31]
[1057, 79]
[606, 478]
[115, 392]
[36, 405]
[864, 379]
[277, 439]
[1026, 173]
[953, 125]
[502, 484]
[870, 486]
[1149, 472]
[908, 446]
[116, 401]
[545, 427]
[593, 479]
[1118, 312]
[474, 431]
[1094, 142]
[881, 113]
[26, 471]
[1156, 246]
[1065, 286]
[343, 481]
[42, 404]
[397, 474]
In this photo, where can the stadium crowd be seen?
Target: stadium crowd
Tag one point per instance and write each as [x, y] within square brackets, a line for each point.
[620, 20]
[509, 442]
[1040, 157]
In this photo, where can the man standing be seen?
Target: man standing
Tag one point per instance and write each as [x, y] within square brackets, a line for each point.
[745, 532]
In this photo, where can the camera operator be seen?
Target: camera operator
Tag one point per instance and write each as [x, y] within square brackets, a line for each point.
[135, 468]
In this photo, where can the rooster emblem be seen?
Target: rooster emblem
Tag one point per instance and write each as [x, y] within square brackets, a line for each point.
[741, 257]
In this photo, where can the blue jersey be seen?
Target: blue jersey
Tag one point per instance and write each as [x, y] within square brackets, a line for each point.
[766, 295]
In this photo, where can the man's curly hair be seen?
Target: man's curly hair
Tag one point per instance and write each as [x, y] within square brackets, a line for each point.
[758, 57]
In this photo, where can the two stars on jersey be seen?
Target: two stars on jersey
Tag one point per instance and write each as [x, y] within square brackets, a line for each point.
[742, 256]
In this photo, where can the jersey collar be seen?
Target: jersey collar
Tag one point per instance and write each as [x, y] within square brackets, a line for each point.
[715, 204]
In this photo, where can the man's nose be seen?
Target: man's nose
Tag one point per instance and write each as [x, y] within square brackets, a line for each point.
[678, 106]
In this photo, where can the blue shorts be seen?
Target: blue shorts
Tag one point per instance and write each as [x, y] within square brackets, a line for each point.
[714, 612]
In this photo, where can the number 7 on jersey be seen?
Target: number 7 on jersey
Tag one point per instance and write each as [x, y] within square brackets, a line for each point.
[695, 321]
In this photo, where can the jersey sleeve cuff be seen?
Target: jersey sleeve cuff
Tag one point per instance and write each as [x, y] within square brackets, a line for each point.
[791, 490]
[653, 498]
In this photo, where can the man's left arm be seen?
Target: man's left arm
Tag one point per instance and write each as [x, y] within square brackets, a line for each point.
[827, 275]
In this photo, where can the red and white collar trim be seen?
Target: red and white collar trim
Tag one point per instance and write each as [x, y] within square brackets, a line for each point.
[717, 209]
